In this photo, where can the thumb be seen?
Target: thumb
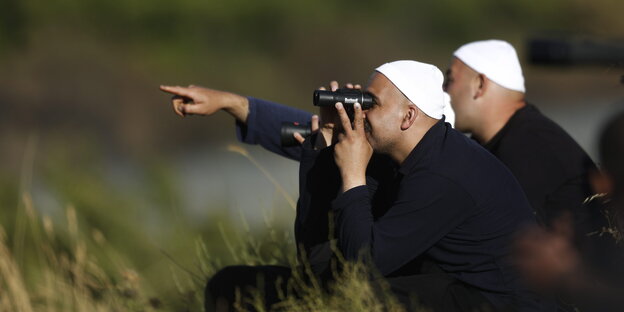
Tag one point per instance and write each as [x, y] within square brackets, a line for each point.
[191, 109]
[314, 125]
[299, 137]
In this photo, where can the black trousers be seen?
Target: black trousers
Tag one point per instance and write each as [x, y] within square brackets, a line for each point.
[435, 290]
[267, 279]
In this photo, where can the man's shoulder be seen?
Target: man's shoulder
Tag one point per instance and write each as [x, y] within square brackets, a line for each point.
[430, 184]
[535, 136]
[469, 164]
[532, 125]
[461, 160]
[461, 150]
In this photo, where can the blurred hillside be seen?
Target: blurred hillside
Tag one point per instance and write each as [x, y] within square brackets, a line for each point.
[92, 67]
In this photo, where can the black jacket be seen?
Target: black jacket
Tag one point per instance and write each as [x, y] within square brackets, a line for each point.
[550, 166]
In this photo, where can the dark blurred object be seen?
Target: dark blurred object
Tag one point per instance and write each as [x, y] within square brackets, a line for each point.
[346, 96]
[544, 51]
[288, 131]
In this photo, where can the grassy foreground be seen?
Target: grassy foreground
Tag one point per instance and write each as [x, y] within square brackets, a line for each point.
[83, 273]
[79, 260]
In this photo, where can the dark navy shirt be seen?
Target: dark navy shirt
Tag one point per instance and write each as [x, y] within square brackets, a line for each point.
[455, 203]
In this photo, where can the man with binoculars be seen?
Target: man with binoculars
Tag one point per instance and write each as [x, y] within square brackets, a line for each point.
[432, 210]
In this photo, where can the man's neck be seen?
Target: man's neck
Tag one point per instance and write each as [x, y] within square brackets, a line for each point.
[410, 141]
[494, 122]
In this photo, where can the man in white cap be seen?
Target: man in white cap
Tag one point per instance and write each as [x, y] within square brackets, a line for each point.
[487, 92]
[453, 202]
[441, 199]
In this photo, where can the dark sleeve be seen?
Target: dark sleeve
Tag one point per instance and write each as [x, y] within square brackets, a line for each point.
[264, 124]
[425, 210]
[319, 182]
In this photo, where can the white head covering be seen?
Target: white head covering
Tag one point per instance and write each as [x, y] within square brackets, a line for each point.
[496, 59]
[422, 84]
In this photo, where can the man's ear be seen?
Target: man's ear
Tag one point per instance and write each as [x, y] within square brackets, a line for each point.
[410, 116]
[481, 84]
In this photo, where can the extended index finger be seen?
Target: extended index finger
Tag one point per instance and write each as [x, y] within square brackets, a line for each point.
[177, 90]
[344, 118]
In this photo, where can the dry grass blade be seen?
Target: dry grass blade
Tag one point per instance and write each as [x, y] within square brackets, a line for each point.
[11, 276]
[241, 150]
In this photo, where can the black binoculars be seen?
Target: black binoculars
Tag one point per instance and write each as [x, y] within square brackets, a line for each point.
[347, 97]
[323, 98]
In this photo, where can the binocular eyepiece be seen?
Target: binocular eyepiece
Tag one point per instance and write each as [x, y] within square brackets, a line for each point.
[323, 98]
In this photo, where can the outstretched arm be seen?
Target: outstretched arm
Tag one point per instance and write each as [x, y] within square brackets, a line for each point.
[193, 100]
[257, 121]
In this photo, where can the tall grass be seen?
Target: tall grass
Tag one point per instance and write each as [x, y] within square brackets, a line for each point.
[74, 264]
[64, 274]
[60, 274]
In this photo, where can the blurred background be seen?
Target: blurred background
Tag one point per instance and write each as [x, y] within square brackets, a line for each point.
[83, 125]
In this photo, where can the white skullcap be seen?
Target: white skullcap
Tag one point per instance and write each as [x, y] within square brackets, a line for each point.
[421, 83]
[496, 59]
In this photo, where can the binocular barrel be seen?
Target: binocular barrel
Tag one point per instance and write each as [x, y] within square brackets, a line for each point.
[288, 131]
[347, 97]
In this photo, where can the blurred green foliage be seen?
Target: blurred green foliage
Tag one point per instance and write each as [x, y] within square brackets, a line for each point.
[95, 64]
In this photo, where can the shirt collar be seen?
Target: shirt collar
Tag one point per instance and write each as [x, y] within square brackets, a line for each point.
[422, 152]
[515, 118]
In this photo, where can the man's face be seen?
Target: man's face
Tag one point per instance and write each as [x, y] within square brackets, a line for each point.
[383, 120]
[458, 84]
